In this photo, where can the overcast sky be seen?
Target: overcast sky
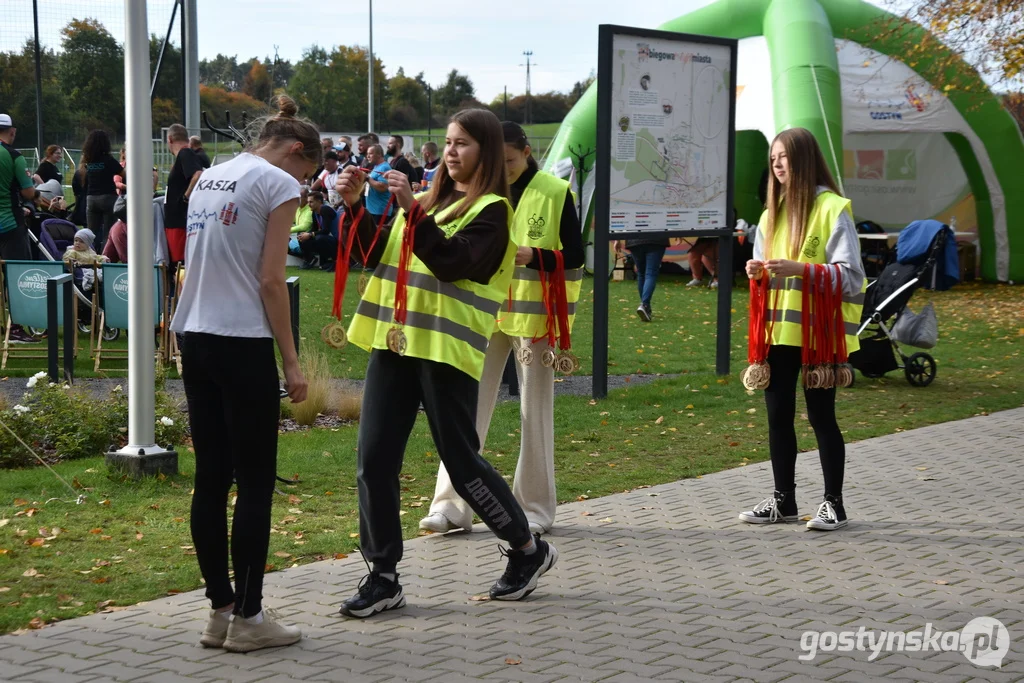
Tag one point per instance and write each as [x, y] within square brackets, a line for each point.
[482, 38]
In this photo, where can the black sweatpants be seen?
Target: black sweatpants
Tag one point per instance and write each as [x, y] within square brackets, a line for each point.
[394, 388]
[780, 399]
[231, 385]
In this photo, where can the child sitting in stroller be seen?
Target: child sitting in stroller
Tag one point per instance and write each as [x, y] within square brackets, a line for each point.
[81, 253]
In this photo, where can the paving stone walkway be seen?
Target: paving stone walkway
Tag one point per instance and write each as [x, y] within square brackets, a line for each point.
[658, 584]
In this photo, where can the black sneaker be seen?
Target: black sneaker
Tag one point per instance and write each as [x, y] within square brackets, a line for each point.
[522, 572]
[831, 515]
[780, 507]
[644, 314]
[376, 594]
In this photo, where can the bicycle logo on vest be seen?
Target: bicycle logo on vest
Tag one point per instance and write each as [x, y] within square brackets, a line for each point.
[811, 246]
[536, 227]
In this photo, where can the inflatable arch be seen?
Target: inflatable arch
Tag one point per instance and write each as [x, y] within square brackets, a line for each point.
[903, 148]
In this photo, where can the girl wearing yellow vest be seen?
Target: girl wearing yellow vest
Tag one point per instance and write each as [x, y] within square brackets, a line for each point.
[545, 221]
[440, 275]
[807, 221]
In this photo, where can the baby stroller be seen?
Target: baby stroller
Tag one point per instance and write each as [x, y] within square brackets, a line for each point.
[886, 298]
[55, 236]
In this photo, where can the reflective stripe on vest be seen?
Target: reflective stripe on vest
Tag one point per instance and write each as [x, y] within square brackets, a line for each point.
[786, 298]
[537, 224]
[447, 322]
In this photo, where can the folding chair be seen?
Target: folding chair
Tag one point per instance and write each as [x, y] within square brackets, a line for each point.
[114, 313]
[26, 300]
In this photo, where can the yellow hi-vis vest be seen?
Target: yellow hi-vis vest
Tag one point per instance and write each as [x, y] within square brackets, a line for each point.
[785, 301]
[447, 322]
[537, 223]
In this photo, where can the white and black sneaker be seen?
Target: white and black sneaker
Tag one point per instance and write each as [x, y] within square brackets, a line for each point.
[779, 507]
[831, 515]
[644, 314]
[523, 570]
[376, 594]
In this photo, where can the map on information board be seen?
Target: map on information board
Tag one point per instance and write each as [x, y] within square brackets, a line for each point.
[670, 135]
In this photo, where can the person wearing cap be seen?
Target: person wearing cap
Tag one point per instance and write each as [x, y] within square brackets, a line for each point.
[545, 224]
[15, 186]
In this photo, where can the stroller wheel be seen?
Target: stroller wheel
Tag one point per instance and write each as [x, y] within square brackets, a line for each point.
[920, 369]
[111, 334]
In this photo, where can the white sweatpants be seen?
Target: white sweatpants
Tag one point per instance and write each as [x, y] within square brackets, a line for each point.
[534, 484]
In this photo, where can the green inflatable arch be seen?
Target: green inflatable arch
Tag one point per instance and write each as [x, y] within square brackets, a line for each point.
[801, 40]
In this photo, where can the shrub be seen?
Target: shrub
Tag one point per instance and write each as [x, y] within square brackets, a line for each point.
[348, 402]
[318, 374]
[63, 423]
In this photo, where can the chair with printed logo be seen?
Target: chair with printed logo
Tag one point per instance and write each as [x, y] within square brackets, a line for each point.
[24, 284]
[114, 313]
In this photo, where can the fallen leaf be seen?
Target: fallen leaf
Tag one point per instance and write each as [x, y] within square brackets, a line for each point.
[179, 519]
[587, 514]
[35, 542]
[138, 537]
[340, 556]
[281, 553]
[20, 502]
[659, 420]
[36, 623]
[97, 530]
[101, 579]
[105, 538]
[154, 506]
[4, 589]
[294, 500]
[607, 519]
[30, 572]
[512, 661]
[940, 582]
[289, 520]
[105, 502]
[479, 598]
[4, 522]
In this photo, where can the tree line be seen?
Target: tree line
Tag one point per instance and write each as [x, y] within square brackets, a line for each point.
[83, 89]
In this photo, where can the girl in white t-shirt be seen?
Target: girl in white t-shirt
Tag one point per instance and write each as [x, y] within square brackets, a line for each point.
[233, 305]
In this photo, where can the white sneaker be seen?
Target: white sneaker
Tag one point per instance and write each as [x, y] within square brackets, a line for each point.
[244, 636]
[694, 283]
[827, 518]
[216, 629]
[714, 284]
[438, 523]
[767, 512]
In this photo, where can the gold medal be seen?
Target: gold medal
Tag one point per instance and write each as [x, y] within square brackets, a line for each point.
[334, 335]
[844, 375]
[757, 376]
[524, 355]
[564, 364]
[397, 341]
[547, 357]
[364, 280]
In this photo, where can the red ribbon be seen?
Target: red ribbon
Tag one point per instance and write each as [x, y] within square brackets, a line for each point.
[341, 260]
[545, 292]
[412, 217]
[841, 354]
[759, 335]
[805, 317]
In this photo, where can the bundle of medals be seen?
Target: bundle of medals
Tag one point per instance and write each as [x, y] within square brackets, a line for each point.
[333, 334]
[557, 306]
[396, 339]
[823, 330]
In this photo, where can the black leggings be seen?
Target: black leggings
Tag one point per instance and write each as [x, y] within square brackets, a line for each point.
[394, 388]
[780, 399]
[231, 385]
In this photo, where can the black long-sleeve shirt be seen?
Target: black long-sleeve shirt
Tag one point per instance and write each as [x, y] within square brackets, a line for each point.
[568, 231]
[473, 253]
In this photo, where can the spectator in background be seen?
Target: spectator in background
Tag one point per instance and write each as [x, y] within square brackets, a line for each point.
[195, 143]
[183, 176]
[48, 166]
[430, 163]
[101, 190]
[328, 177]
[15, 185]
[417, 170]
[397, 158]
[326, 145]
[366, 141]
[647, 255]
[79, 187]
[378, 196]
[320, 243]
[303, 216]
[703, 254]
[344, 150]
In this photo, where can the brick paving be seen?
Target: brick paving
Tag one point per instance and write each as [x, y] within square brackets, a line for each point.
[657, 584]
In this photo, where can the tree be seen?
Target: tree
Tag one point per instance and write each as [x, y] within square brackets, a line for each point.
[330, 88]
[407, 101]
[988, 34]
[168, 85]
[17, 92]
[91, 72]
[222, 72]
[579, 88]
[1014, 103]
[455, 91]
[218, 100]
[256, 83]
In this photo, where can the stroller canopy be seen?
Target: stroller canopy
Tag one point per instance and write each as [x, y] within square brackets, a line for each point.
[915, 244]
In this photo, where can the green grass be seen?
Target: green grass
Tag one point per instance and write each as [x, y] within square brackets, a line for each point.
[673, 428]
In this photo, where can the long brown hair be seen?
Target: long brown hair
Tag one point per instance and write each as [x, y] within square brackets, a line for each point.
[807, 171]
[489, 177]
